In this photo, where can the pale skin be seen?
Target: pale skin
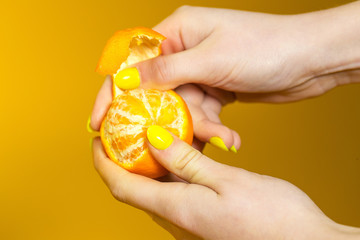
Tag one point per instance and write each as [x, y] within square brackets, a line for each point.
[217, 56]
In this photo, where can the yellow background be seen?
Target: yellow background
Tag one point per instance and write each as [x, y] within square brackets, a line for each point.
[48, 186]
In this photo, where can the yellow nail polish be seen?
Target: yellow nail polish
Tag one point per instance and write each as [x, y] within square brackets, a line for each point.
[129, 78]
[233, 149]
[159, 137]
[88, 127]
[218, 142]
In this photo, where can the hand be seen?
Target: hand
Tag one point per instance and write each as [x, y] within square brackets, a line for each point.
[204, 104]
[216, 201]
[260, 57]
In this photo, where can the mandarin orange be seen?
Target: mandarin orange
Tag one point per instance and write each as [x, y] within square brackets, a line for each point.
[123, 130]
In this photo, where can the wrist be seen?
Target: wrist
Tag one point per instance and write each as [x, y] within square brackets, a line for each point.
[333, 43]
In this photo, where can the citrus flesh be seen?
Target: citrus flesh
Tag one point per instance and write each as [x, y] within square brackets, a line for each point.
[123, 130]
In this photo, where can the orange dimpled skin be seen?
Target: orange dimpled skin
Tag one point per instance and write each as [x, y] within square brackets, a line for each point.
[123, 130]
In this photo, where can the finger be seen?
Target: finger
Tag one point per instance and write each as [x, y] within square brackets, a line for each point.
[205, 130]
[209, 127]
[136, 190]
[102, 104]
[169, 71]
[183, 160]
[184, 50]
[205, 111]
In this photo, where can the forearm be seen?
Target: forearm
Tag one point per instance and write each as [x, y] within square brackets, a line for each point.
[335, 38]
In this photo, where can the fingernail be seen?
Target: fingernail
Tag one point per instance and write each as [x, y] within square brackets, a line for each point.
[88, 127]
[233, 149]
[129, 78]
[159, 137]
[218, 142]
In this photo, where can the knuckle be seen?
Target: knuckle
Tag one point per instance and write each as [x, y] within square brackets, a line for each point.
[187, 159]
[118, 193]
[182, 9]
[227, 135]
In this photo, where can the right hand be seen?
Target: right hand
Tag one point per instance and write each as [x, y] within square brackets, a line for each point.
[260, 57]
[216, 201]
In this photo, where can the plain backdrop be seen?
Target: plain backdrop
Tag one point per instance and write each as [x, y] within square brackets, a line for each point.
[48, 186]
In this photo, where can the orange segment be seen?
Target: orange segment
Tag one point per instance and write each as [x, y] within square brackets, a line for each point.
[123, 131]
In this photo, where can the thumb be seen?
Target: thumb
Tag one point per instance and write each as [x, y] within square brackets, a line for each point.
[169, 71]
[183, 160]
